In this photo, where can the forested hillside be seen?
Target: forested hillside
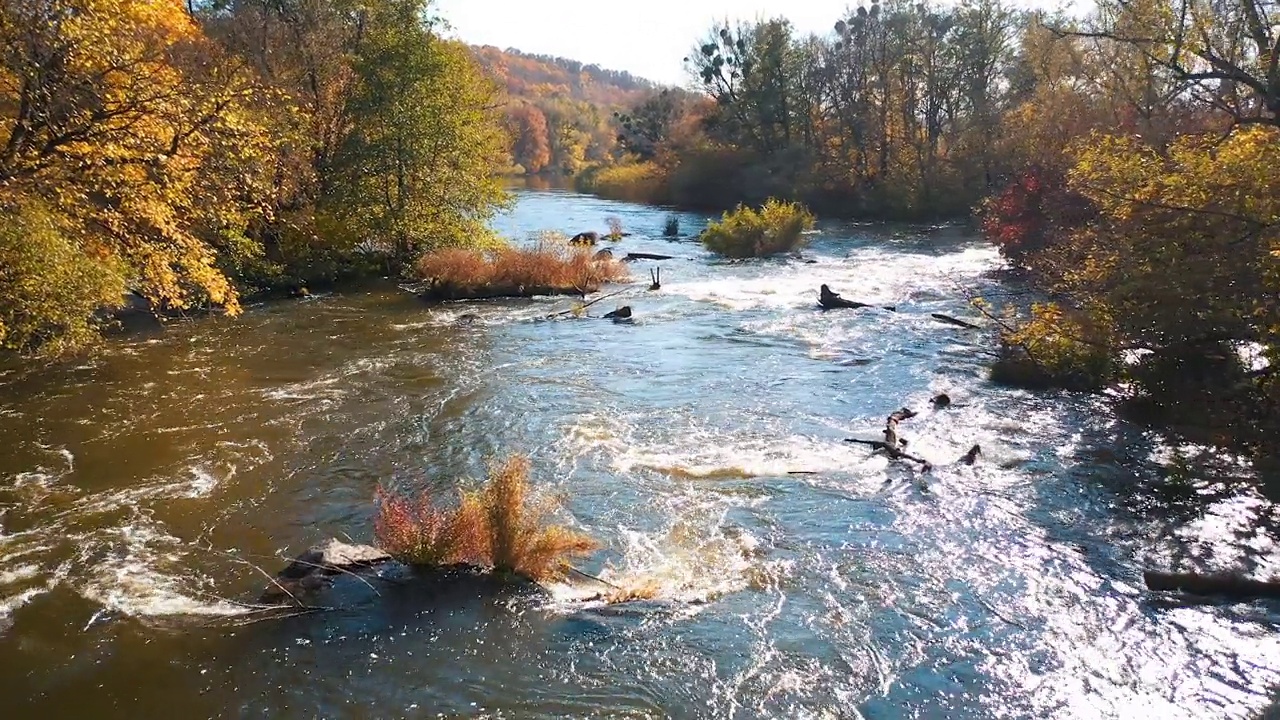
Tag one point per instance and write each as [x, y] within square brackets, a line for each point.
[559, 112]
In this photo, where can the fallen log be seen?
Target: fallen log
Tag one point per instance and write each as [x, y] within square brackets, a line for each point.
[1235, 587]
[632, 257]
[955, 321]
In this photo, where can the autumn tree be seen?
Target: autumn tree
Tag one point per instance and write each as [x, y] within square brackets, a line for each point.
[116, 116]
[531, 148]
[186, 152]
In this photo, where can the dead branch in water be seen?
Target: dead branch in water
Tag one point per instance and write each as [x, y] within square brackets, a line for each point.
[955, 321]
[893, 445]
[584, 306]
[1235, 587]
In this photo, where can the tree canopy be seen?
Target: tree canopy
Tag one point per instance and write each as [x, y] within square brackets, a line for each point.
[190, 152]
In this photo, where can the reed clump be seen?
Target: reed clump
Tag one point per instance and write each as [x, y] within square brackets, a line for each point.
[504, 526]
[546, 268]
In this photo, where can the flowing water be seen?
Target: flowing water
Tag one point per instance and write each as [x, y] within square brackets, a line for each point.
[799, 576]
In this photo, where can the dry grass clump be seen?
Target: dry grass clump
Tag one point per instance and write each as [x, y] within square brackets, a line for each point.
[746, 232]
[615, 228]
[522, 539]
[504, 526]
[544, 269]
[420, 532]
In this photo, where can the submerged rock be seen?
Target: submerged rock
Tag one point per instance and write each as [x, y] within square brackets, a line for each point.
[620, 315]
[355, 565]
[585, 238]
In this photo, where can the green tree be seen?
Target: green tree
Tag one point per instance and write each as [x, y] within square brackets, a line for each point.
[417, 170]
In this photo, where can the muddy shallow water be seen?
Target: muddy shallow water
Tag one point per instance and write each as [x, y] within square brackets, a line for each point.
[799, 576]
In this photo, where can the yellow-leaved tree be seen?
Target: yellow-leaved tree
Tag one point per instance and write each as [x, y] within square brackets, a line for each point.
[123, 120]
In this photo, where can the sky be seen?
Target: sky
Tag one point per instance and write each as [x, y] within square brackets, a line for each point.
[647, 38]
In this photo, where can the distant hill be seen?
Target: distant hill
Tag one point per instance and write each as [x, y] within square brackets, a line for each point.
[534, 77]
[560, 112]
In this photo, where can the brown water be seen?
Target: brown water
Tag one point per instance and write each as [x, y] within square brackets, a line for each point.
[137, 486]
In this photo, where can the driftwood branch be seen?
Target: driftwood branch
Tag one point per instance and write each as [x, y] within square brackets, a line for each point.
[584, 306]
[892, 445]
[1235, 587]
[830, 300]
[632, 257]
[955, 321]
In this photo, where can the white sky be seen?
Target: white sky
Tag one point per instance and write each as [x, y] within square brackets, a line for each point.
[644, 37]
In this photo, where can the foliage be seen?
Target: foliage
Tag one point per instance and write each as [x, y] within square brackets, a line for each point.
[644, 127]
[746, 232]
[1025, 218]
[633, 182]
[121, 115]
[192, 152]
[1149, 212]
[1055, 348]
[416, 171]
[504, 525]
[531, 147]
[545, 268]
[50, 289]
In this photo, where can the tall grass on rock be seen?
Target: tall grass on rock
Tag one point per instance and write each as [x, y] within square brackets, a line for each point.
[545, 269]
[505, 526]
[522, 540]
[776, 227]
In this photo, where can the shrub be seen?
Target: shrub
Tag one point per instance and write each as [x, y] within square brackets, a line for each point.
[420, 532]
[671, 228]
[504, 526]
[634, 182]
[1055, 349]
[1032, 213]
[50, 287]
[744, 233]
[521, 540]
[545, 269]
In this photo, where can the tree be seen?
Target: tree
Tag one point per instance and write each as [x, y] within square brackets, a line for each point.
[531, 147]
[416, 171]
[111, 114]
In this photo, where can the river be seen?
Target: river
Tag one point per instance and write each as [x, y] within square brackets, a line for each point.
[140, 485]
